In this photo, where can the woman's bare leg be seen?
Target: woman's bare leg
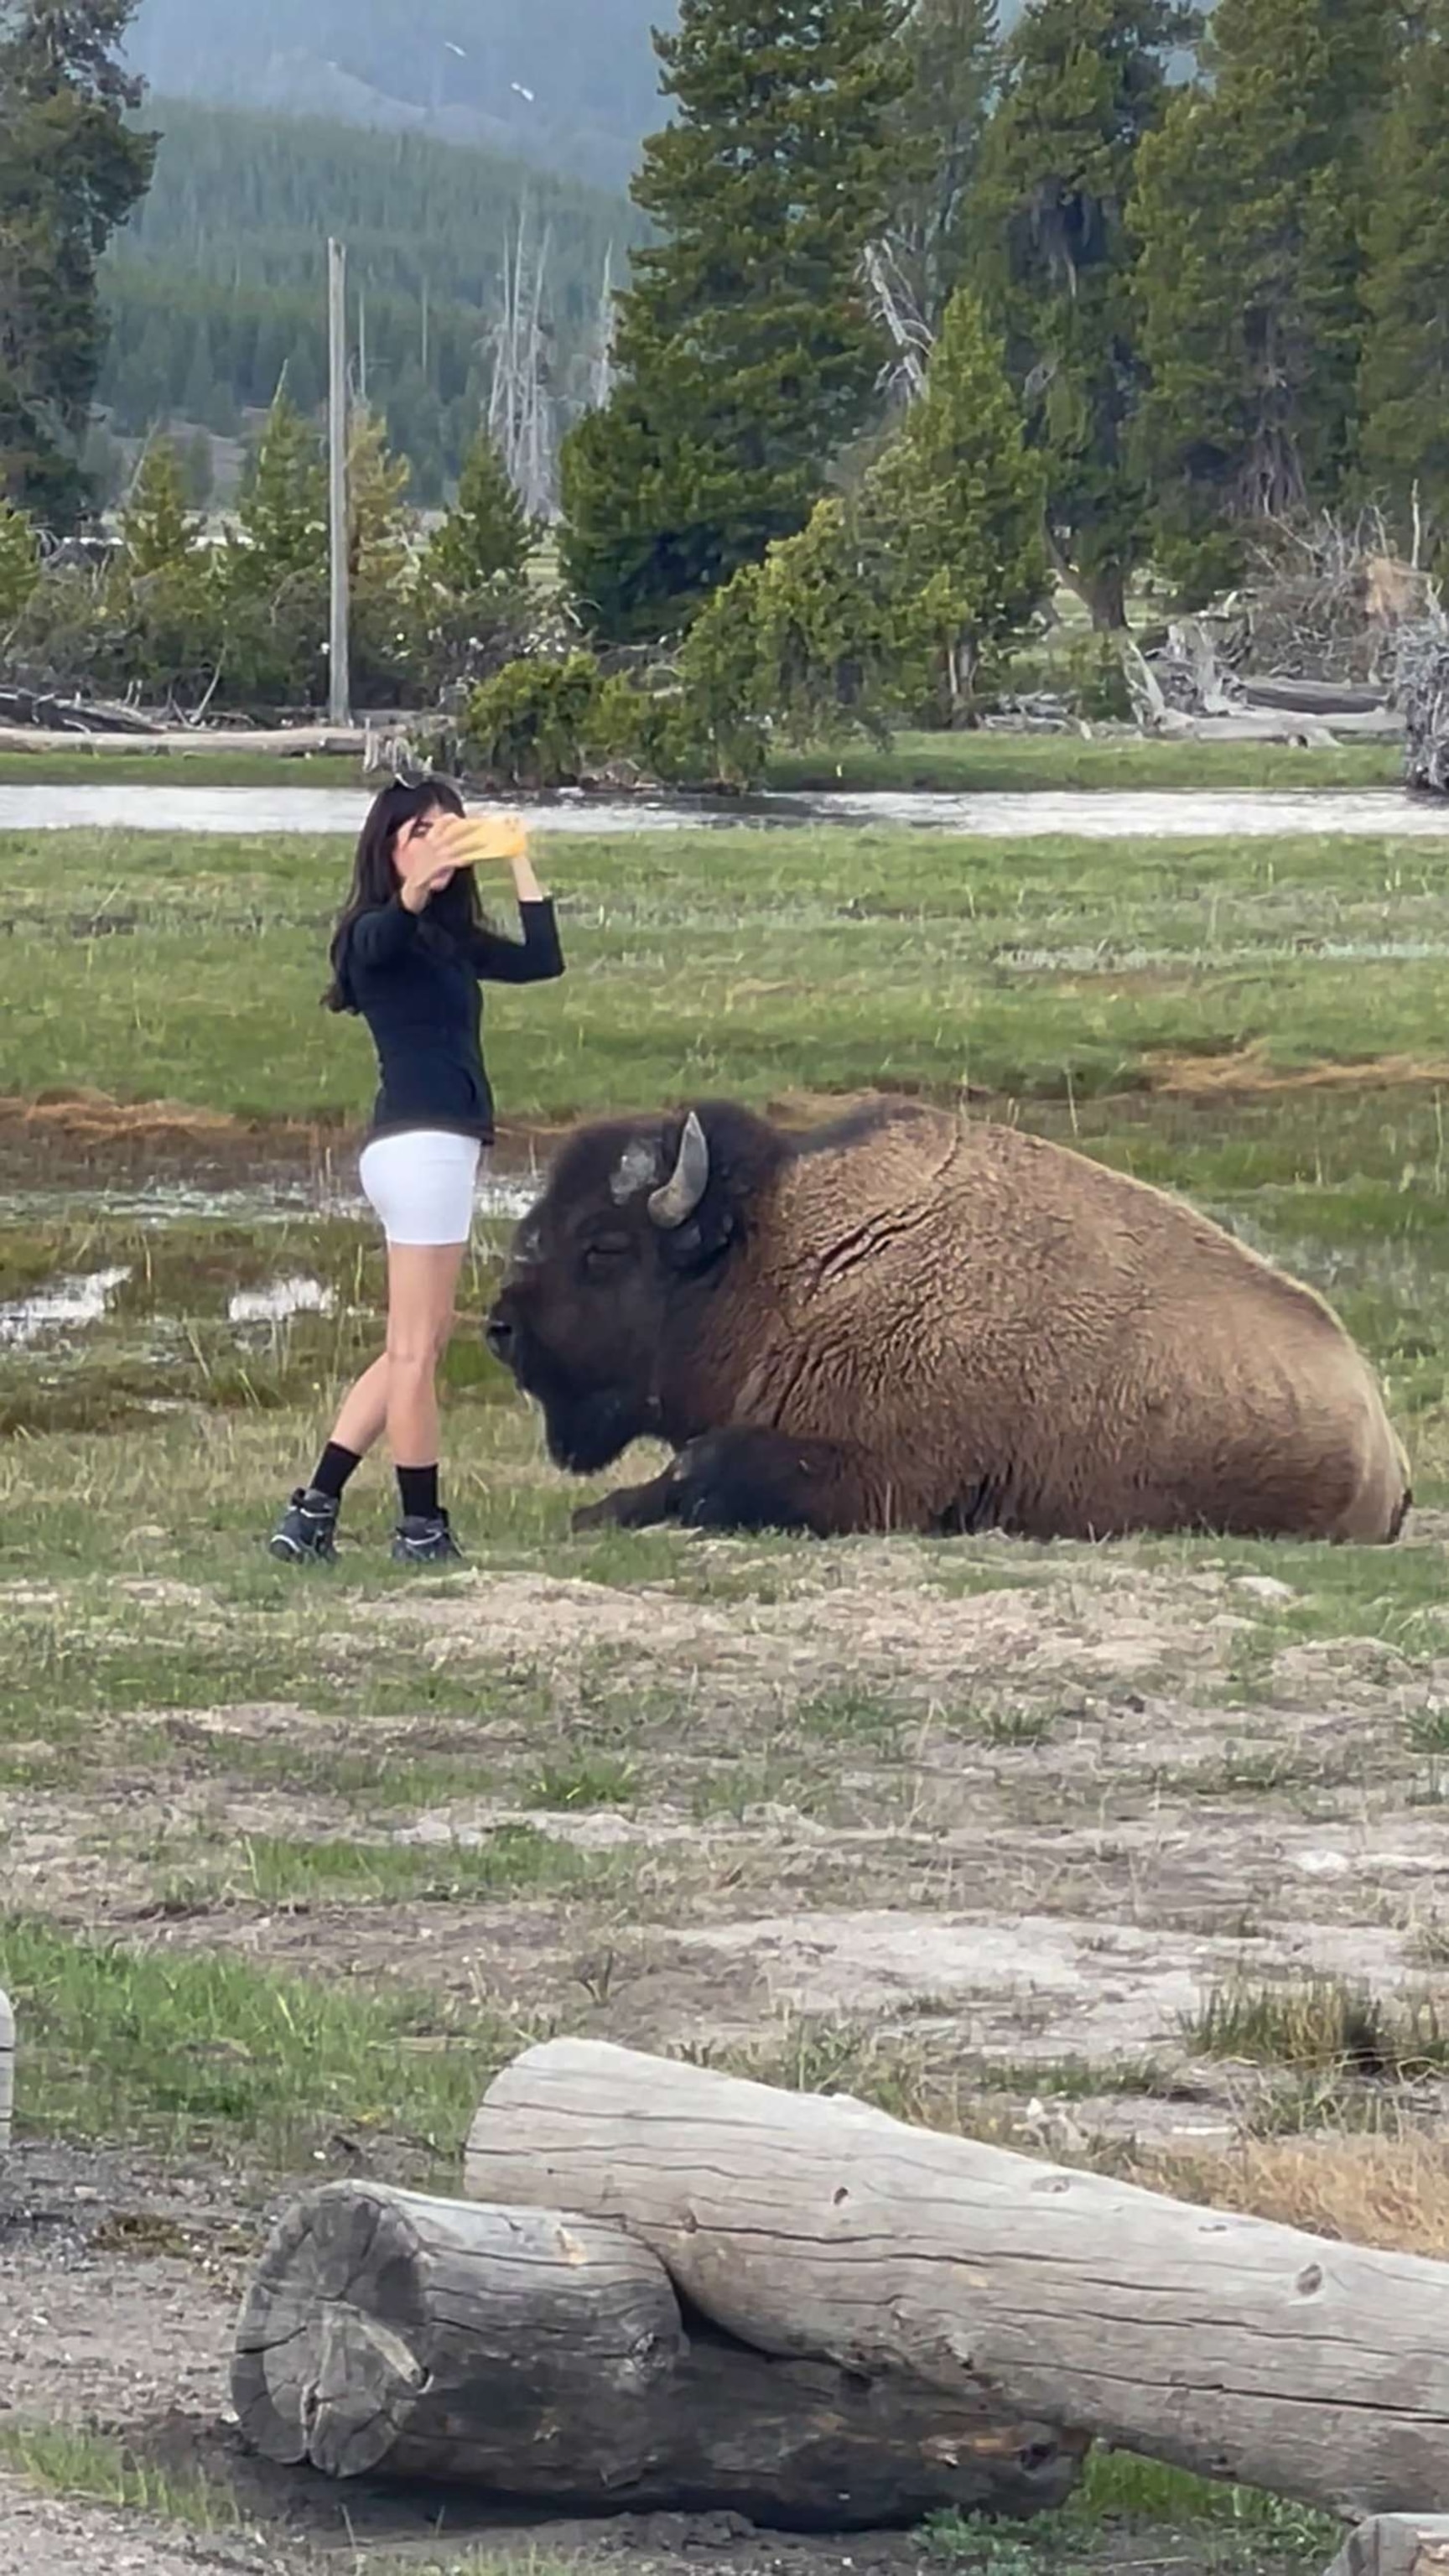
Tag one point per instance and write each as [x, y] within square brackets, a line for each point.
[363, 1418]
[422, 1287]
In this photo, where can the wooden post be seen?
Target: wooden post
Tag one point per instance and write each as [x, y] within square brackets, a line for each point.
[7, 2068]
[539, 2355]
[805, 2225]
[340, 677]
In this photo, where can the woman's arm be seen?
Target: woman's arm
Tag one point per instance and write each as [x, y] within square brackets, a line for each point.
[535, 959]
[383, 938]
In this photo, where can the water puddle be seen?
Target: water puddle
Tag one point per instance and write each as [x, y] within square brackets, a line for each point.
[1087, 814]
[501, 1198]
[281, 1301]
[65, 1305]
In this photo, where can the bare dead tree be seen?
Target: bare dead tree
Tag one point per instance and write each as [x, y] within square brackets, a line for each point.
[521, 420]
[895, 308]
[601, 381]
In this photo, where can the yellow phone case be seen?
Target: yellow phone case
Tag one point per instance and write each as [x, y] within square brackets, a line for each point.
[494, 837]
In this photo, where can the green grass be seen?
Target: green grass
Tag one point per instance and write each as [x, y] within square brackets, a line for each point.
[823, 960]
[205, 2053]
[98, 2468]
[950, 763]
[269, 1869]
[1324, 2027]
[1131, 2512]
[990, 762]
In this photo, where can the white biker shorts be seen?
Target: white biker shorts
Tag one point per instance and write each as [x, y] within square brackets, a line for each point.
[422, 1185]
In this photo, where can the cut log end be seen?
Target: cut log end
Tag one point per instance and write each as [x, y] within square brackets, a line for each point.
[537, 2355]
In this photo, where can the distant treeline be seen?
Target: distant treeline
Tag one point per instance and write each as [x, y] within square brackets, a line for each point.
[219, 282]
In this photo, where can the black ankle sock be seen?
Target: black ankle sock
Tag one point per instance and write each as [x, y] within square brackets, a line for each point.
[337, 1467]
[418, 1487]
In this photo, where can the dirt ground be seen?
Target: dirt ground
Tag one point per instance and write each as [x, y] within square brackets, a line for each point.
[989, 1821]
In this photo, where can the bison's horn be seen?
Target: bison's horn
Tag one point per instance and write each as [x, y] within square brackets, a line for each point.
[680, 1195]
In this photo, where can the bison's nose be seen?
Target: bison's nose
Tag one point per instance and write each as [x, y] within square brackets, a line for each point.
[498, 1334]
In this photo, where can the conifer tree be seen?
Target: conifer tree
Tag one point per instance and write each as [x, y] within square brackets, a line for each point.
[1404, 383]
[158, 531]
[19, 563]
[953, 55]
[72, 166]
[282, 514]
[746, 353]
[486, 533]
[1085, 80]
[1249, 213]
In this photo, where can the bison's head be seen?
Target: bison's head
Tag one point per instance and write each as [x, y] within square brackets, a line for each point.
[600, 1313]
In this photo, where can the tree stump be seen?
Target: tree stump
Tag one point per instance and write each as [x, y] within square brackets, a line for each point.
[811, 2226]
[539, 2355]
[1423, 687]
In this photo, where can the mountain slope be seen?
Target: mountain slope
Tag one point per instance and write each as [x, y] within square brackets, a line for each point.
[218, 283]
[570, 83]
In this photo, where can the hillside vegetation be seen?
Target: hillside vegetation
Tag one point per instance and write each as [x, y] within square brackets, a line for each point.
[218, 284]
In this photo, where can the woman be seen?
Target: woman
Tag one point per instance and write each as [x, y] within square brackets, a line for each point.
[410, 953]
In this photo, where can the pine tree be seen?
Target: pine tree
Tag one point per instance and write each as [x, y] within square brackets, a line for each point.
[282, 514]
[158, 531]
[1249, 211]
[19, 563]
[1404, 384]
[1085, 81]
[957, 499]
[486, 533]
[953, 52]
[275, 575]
[890, 603]
[381, 563]
[71, 169]
[746, 353]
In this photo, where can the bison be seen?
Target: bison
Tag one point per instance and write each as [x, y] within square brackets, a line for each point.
[910, 1320]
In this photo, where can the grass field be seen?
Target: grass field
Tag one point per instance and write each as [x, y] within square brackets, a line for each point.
[1134, 1856]
[958, 762]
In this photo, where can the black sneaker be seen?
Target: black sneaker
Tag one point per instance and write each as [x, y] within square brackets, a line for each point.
[426, 1542]
[306, 1534]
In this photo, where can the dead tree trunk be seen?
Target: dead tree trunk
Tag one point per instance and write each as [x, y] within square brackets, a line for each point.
[544, 2356]
[814, 2226]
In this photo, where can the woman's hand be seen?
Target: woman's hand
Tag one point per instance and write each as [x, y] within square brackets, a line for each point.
[425, 875]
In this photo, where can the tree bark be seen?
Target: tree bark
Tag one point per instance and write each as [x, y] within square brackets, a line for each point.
[804, 2225]
[1396, 2545]
[539, 2355]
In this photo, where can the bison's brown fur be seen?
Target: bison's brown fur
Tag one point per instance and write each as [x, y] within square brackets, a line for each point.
[925, 1322]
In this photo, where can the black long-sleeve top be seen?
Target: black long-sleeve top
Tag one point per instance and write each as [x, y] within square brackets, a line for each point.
[418, 989]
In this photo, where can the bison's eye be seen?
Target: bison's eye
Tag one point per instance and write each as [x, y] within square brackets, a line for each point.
[603, 1256]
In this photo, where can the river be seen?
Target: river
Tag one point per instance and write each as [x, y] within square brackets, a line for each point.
[1372, 813]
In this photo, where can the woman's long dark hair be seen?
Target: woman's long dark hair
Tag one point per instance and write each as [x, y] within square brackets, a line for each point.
[454, 912]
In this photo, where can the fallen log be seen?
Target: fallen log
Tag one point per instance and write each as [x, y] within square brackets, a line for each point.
[1396, 2545]
[282, 742]
[539, 2355]
[804, 2225]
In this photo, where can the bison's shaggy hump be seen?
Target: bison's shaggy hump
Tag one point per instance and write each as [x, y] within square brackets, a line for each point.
[909, 1319]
